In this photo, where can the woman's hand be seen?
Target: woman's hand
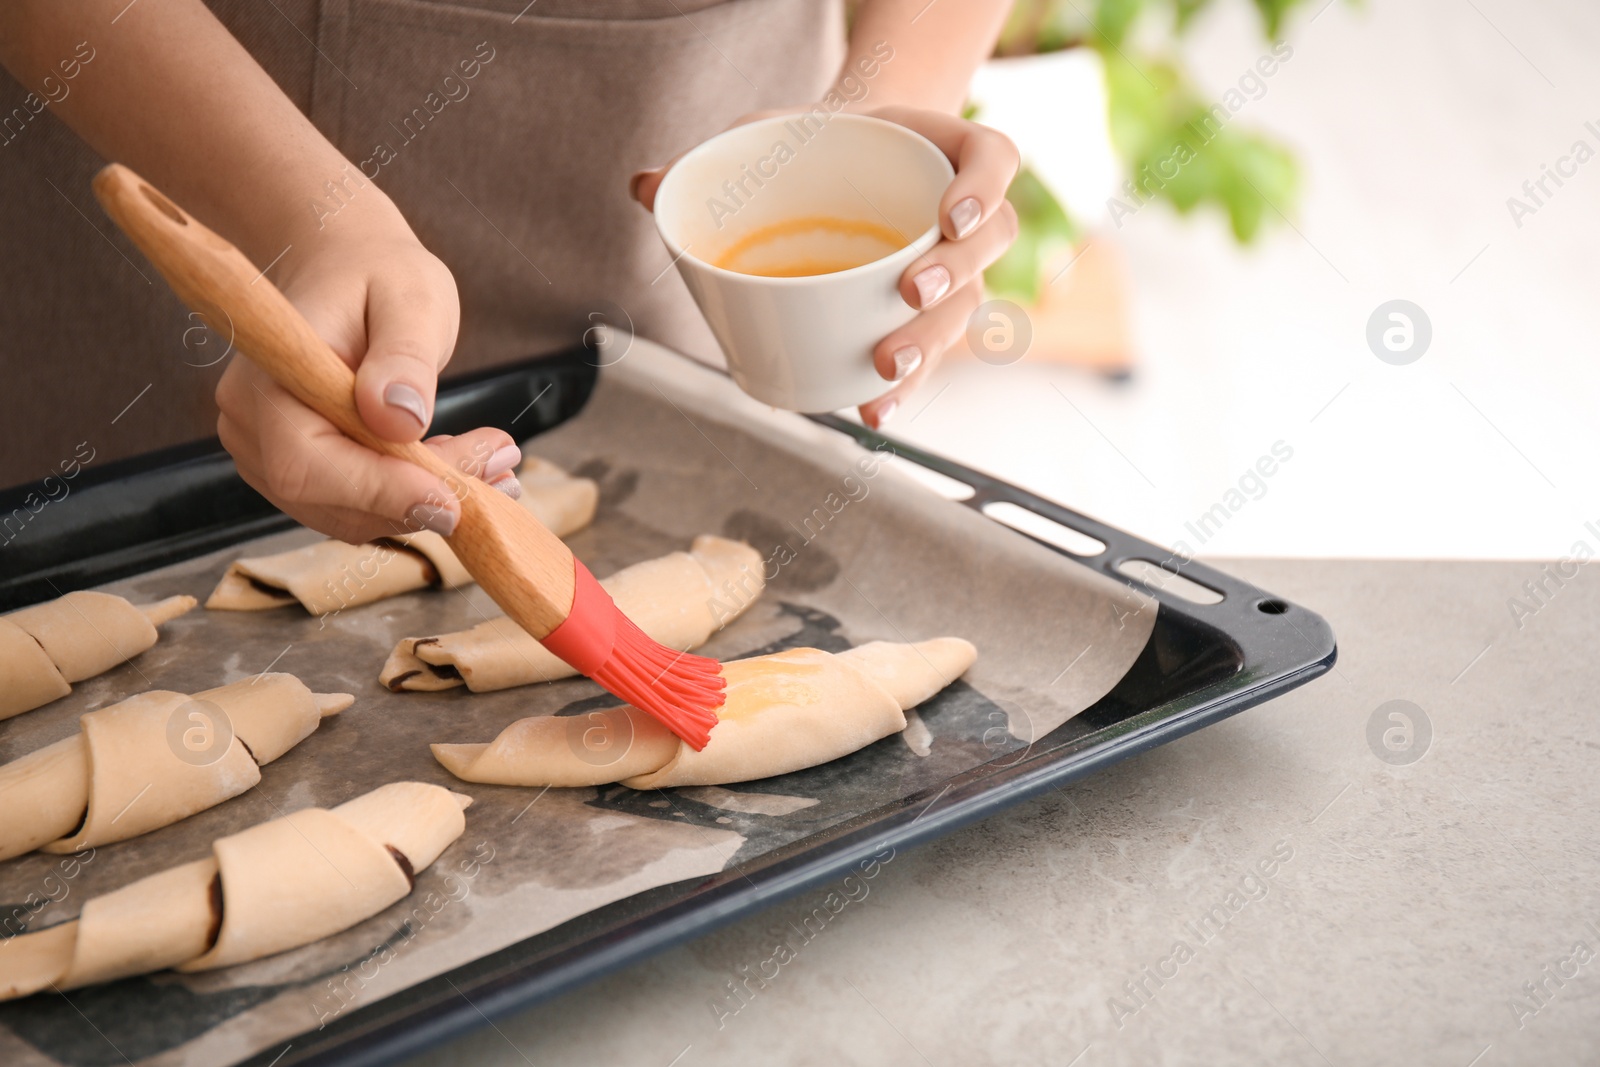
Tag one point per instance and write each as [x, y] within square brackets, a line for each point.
[388, 307]
[178, 99]
[946, 285]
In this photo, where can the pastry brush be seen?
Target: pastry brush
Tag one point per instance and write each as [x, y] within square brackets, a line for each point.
[528, 571]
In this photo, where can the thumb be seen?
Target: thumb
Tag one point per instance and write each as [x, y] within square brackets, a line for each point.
[643, 185]
[410, 333]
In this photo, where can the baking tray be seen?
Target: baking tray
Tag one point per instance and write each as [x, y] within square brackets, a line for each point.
[1201, 663]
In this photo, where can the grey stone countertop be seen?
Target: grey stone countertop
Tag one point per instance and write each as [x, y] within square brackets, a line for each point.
[1330, 878]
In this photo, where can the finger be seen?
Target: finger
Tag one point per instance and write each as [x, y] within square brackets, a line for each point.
[488, 453]
[235, 421]
[306, 461]
[905, 351]
[985, 160]
[644, 184]
[349, 525]
[411, 329]
[240, 440]
[341, 524]
[485, 453]
[239, 443]
[930, 335]
[951, 265]
[344, 524]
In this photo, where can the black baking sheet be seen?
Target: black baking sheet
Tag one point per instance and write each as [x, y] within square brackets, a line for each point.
[1198, 663]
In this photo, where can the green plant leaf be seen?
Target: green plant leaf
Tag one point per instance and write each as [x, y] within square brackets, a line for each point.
[1272, 13]
[1190, 152]
[1178, 144]
[1016, 274]
[1038, 210]
[1114, 18]
[1184, 12]
[1043, 230]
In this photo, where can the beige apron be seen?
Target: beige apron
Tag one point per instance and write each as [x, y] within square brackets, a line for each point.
[515, 176]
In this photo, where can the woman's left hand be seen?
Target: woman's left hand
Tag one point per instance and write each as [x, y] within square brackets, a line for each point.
[946, 285]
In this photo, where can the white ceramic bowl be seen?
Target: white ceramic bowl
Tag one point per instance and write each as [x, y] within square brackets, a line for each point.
[803, 343]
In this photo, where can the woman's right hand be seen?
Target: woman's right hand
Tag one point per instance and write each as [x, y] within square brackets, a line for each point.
[173, 96]
[388, 307]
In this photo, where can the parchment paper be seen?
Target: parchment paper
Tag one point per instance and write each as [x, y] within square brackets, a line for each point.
[856, 552]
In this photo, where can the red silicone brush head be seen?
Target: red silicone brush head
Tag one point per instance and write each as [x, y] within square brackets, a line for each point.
[680, 689]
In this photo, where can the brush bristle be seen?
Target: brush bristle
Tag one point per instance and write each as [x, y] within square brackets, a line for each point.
[682, 690]
[679, 688]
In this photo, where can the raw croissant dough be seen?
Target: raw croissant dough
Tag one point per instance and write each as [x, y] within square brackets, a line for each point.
[680, 600]
[332, 575]
[46, 647]
[121, 776]
[784, 712]
[273, 887]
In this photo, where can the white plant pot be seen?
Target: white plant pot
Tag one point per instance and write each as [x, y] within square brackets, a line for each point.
[1054, 107]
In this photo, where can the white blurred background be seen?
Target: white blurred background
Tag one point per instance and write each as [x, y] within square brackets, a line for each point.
[1413, 122]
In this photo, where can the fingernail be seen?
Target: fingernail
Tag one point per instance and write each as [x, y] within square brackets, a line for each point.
[633, 183]
[931, 285]
[964, 216]
[886, 412]
[508, 485]
[441, 521]
[906, 360]
[504, 458]
[402, 396]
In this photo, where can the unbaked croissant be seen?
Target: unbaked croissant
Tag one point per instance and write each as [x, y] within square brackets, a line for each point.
[784, 712]
[46, 647]
[268, 889]
[680, 600]
[153, 759]
[332, 575]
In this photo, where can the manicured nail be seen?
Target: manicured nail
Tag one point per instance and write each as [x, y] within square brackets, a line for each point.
[508, 484]
[402, 396]
[441, 521]
[886, 412]
[633, 183]
[906, 360]
[504, 458]
[964, 216]
[931, 285]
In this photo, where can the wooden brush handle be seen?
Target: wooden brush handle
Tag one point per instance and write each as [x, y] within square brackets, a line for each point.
[525, 567]
[238, 301]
